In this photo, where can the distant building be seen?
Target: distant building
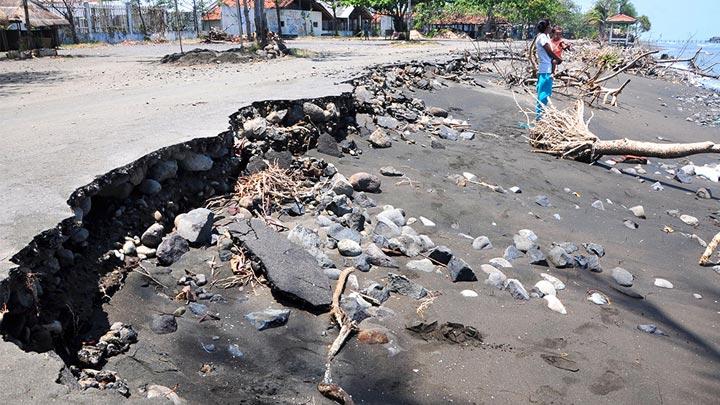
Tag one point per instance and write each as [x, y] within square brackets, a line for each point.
[297, 17]
[472, 25]
[622, 30]
[350, 19]
[44, 25]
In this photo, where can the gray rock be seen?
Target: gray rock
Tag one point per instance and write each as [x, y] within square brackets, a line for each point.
[380, 139]
[321, 258]
[198, 309]
[590, 262]
[467, 135]
[255, 128]
[387, 121]
[332, 273]
[276, 116]
[150, 187]
[401, 285]
[396, 215]
[355, 220]
[119, 190]
[441, 254]
[153, 235]
[651, 329]
[595, 249]
[377, 257]
[523, 243]
[386, 228]
[363, 200]
[512, 253]
[482, 243]
[367, 182]
[269, 318]
[342, 187]
[559, 258]
[348, 247]
[460, 271]
[196, 162]
[328, 145]
[436, 144]
[496, 279]
[425, 265]
[340, 205]
[409, 246]
[542, 200]
[630, 224]
[379, 292]
[289, 269]
[597, 204]
[195, 226]
[638, 211]
[314, 112]
[437, 112]
[569, 247]
[516, 289]
[390, 171]
[65, 257]
[163, 170]
[163, 324]
[362, 263]
[622, 277]
[339, 232]
[304, 237]
[448, 133]
[703, 193]
[171, 249]
[499, 263]
[355, 307]
[684, 176]
[537, 257]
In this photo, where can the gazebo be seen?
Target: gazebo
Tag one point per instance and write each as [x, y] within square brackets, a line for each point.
[621, 30]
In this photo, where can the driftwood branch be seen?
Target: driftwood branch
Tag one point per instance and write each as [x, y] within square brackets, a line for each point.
[709, 250]
[565, 134]
[347, 326]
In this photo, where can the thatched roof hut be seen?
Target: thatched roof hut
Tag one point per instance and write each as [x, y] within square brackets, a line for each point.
[12, 11]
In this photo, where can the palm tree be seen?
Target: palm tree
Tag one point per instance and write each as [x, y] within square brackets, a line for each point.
[599, 14]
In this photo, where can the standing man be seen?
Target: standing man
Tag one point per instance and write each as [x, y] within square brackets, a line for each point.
[545, 56]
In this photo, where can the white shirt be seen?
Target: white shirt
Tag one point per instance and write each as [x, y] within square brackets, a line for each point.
[544, 59]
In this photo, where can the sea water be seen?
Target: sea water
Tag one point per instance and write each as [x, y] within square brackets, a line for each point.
[709, 55]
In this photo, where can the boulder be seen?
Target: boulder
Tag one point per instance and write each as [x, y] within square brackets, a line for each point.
[195, 226]
[460, 271]
[196, 162]
[365, 182]
[171, 249]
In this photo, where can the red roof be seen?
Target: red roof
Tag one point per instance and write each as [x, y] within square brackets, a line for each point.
[215, 13]
[622, 18]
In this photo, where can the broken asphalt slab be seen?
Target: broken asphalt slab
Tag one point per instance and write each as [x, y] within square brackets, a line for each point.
[290, 269]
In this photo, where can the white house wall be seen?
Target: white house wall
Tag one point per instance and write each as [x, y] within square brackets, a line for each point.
[297, 22]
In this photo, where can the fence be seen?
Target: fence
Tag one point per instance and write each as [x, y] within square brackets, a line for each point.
[117, 22]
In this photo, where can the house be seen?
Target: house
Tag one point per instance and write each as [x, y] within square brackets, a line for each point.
[622, 29]
[350, 19]
[472, 25]
[296, 17]
[44, 25]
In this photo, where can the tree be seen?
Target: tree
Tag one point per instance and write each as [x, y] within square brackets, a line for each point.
[66, 8]
[260, 23]
[644, 23]
[396, 9]
[248, 28]
[277, 14]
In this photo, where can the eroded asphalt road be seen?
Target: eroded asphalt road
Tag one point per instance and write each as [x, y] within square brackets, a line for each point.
[71, 118]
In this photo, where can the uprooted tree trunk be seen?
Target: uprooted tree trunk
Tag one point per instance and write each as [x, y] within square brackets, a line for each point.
[565, 133]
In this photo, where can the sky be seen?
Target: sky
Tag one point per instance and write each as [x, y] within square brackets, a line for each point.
[676, 20]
